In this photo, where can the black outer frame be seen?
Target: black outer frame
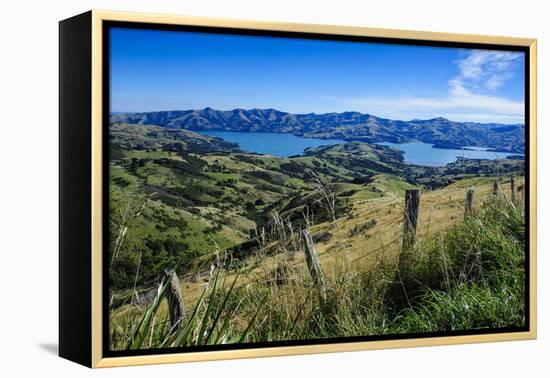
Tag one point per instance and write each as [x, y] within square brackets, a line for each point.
[75, 108]
[75, 189]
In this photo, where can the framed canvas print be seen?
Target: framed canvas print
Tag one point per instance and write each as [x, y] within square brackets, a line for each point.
[235, 189]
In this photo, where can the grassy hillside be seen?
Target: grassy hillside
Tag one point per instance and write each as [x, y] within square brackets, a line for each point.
[171, 204]
[469, 276]
[230, 224]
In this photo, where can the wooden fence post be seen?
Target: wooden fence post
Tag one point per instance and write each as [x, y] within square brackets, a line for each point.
[495, 188]
[412, 202]
[513, 190]
[176, 306]
[521, 193]
[313, 263]
[468, 207]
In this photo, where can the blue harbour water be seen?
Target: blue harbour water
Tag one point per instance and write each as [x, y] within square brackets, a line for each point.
[425, 154]
[284, 145]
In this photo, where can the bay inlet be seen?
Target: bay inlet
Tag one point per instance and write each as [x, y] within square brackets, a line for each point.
[285, 145]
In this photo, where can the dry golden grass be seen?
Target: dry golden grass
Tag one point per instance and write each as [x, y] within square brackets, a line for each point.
[346, 252]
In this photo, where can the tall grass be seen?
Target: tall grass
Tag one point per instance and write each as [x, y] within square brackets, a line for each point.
[477, 278]
[209, 322]
[470, 276]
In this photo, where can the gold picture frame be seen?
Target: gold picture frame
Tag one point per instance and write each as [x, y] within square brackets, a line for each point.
[91, 328]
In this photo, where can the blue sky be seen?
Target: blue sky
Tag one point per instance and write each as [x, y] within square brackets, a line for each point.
[171, 70]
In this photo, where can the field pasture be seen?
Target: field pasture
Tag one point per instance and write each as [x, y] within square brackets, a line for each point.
[233, 229]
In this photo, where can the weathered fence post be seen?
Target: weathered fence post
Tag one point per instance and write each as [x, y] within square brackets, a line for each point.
[495, 188]
[468, 207]
[412, 202]
[313, 263]
[513, 190]
[521, 193]
[176, 306]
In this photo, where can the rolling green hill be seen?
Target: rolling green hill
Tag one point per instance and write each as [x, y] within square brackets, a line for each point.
[231, 223]
[177, 196]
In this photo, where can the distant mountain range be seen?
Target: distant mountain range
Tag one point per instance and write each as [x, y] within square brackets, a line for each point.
[349, 126]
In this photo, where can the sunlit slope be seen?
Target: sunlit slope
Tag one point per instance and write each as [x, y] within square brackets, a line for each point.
[180, 197]
[372, 233]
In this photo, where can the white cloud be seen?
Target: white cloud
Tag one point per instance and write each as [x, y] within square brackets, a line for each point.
[470, 95]
[489, 69]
